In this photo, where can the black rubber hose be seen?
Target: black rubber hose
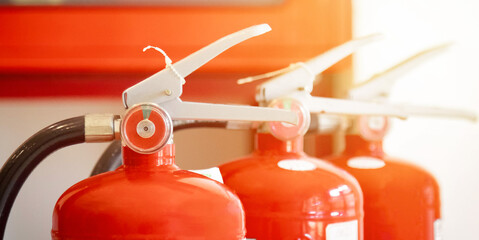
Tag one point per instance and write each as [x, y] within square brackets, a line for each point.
[22, 162]
[111, 159]
[182, 125]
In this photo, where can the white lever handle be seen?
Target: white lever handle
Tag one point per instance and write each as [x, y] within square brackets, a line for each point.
[423, 111]
[165, 85]
[380, 84]
[179, 110]
[332, 56]
[348, 107]
[197, 59]
[302, 77]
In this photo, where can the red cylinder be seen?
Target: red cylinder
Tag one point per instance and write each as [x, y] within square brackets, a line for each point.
[401, 201]
[148, 197]
[288, 195]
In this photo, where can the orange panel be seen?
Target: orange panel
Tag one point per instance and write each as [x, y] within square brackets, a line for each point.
[46, 51]
[111, 38]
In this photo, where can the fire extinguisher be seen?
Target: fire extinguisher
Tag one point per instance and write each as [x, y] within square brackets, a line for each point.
[148, 197]
[287, 194]
[401, 200]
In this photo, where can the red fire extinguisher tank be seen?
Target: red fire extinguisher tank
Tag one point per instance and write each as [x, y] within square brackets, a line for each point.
[148, 197]
[401, 201]
[290, 196]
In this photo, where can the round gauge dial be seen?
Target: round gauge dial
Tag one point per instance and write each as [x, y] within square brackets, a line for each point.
[146, 128]
[287, 131]
[373, 128]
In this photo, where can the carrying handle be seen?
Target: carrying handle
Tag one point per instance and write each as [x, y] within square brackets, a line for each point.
[320, 105]
[179, 110]
[301, 76]
[402, 111]
[167, 84]
[380, 84]
[438, 112]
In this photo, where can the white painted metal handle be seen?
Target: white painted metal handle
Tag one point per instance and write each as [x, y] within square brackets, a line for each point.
[179, 110]
[165, 85]
[197, 59]
[380, 84]
[438, 112]
[332, 56]
[348, 107]
[302, 76]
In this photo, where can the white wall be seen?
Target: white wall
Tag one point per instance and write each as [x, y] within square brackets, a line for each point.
[447, 148]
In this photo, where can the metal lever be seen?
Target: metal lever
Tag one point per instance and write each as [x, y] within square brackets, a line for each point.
[380, 84]
[204, 111]
[165, 85]
[348, 107]
[302, 77]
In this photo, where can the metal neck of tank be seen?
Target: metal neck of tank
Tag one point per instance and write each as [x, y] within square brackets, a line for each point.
[356, 145]
[265, 142]
[165, 157]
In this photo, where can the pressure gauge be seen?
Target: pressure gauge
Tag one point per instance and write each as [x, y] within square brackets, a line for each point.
[373, 128]
[287, 131]
[146, 128]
